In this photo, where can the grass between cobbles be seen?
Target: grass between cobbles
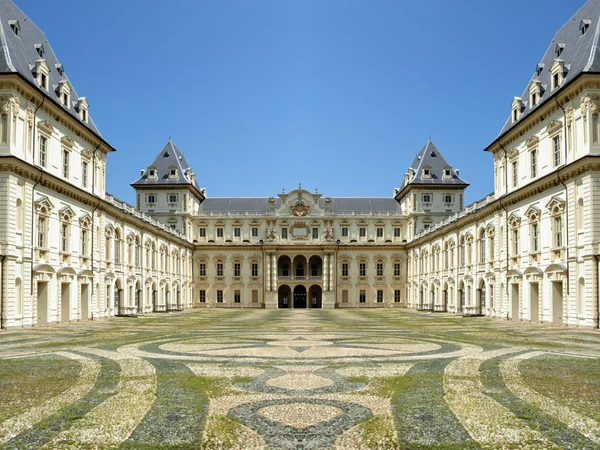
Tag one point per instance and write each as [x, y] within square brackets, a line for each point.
[552, 428]
[573, 382]
[44, 431]
[27, 382]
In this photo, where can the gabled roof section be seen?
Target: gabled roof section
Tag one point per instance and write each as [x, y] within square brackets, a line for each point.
[576, 45]
[169, 157]
[431, 159]
[22, 43]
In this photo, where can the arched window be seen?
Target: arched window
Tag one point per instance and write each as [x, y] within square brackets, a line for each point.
[580, 215]
[18, 297]
[482, 246]
[19, 212]
[581, 296]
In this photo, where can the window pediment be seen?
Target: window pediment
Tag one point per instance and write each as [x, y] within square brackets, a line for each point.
[66, 214]
[556, 205]
[514, 220]
[85, 221]
[46, 126]
[554, 126]
[533, 213]
[43, 205]
[532, 141]
[67, 141]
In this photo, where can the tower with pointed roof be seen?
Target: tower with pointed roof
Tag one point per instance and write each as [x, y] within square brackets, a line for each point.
[431, 191]
[167, 190]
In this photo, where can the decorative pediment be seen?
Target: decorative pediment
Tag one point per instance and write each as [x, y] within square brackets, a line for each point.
[87, 154]
[109, 231]
[46, 126]
[556, 205]
[533, 213]
[66, 214]
[532, 141]
[513, 153]
[514, 220]
[517, 103]
[553, 126]
[490, 230]
[85, 221]
[43, 205]
[67, 141]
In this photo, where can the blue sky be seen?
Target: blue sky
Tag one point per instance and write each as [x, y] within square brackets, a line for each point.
[262, 95]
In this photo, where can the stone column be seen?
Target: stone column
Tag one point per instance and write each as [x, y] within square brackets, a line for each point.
[330, 273]
[268, 272]
[325, 272]
[274, 272]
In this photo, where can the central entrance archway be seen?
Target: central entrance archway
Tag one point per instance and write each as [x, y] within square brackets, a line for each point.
[284, 297]
[300, 297]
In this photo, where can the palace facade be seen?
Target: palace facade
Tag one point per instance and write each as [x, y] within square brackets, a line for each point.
[528, 251]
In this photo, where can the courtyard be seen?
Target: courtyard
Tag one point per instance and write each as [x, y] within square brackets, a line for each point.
[300, 379]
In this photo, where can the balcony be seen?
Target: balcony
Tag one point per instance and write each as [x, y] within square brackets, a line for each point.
[281, 278]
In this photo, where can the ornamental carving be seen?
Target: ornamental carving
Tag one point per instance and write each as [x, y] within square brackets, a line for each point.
[300, 209]
[532, 141]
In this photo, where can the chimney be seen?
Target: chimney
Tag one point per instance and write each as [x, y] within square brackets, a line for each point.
[457, 172]
[142, 172]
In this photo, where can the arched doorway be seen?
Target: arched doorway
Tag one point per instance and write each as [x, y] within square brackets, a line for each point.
[445, 298]
[480, 300]
[315, 297]
[300, 297]
[154, 297]
[138, 298]
[284, 268]
[315, 267]
[300, 269]
[118, 297]
[284, 297]
[461, 298]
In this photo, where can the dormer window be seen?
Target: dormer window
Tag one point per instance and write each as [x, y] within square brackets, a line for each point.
[559, 49]
[447, 173]
[557, 71]
[584, 25]
[152, 173]
[82, 108]
[64, 93]
[517, 107]
[39, 48]
[15, 26]
[538, 69]
[42, 72]
[427, 172]
[535, 91]
[173, 172]
[60, 69]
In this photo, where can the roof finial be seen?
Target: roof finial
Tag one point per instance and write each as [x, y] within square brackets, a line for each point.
[299, 185]
[316, 190]
[283, 191]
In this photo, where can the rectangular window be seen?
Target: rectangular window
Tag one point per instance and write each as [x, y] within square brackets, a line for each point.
[345, 296]
[379, 296]
[254, 231]
[64, 237]
[315, 233]
[65, 163]
[362, 231]
[151, 198]
[254, 296]
[237, 232]
[362, 297]
[172, 198]
[285, 271]
[219, 232]
[556, 150]
[84, 173]
[202, 296]
[426, 198]
[534, 237]
[219, 296]
[237, 298]
[397, 296]
[219, 269]
[379, 232]
[202, 270]
[533, 163]
[515, 242]
[558, 231]
[344, 269]
[379, 269]
[84, 239]
[202, 232]
[314, 270]
[344, 231]
[397, 232]
[397, 269]
[284, 234]
[254, 269]
[515, 173]
[448, 198]
[362, 270]
[237, 270]
[43, 150]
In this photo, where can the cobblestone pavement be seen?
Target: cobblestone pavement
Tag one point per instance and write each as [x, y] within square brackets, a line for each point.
[340, 379]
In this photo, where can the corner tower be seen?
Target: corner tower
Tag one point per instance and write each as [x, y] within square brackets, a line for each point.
[167, 190]
[432, 190]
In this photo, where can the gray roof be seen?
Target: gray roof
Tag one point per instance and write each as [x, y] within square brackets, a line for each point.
[430, 156]
[260, 206]
[580, 54]
[169, 156]
[19, 53]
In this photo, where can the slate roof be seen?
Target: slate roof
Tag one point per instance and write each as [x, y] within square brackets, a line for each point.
[430, 156]
[19, 53]
[169, 156]
[580, 54]
[260, 206]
